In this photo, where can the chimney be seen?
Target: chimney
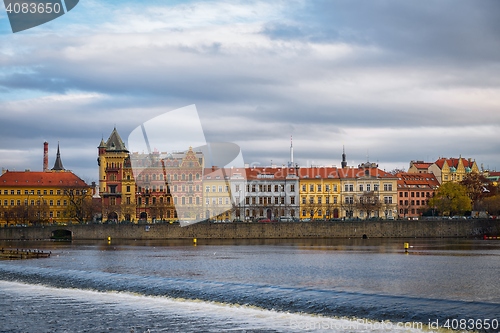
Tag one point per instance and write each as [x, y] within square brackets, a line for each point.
[45, 156]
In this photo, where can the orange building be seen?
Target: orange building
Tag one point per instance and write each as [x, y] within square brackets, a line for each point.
[414, 192]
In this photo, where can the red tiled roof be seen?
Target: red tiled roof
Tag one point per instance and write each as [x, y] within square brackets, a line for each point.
[276, 173]
[361, 172]
[428, 179]
[453, 162]
[40, 179]
[422, 165]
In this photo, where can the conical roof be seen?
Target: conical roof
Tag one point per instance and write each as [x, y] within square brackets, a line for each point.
[58, 166]
[115, 142]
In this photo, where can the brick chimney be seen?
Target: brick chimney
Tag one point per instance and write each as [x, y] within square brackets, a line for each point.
[45, 156]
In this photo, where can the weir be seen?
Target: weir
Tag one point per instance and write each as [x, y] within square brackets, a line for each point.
[284, 230]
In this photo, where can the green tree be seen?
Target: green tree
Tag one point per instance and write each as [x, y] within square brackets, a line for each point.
[451, 198]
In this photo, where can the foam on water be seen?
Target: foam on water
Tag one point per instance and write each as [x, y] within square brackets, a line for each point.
[197, 312]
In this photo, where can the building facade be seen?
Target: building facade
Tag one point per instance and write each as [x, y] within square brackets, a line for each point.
[42, 197]
[414, 193]
[368, 192]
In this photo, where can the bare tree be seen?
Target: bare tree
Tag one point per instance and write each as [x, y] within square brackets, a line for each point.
[369, 202]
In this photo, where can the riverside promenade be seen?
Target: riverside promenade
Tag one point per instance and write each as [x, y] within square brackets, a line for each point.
[474, 228]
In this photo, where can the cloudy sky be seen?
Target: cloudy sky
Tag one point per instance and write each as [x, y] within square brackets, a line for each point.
[391, 80]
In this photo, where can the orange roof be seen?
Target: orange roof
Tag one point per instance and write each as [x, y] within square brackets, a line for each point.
[453, 162]
[424, 165]
[425, 179]
[270, 173]
[41, 179]
[361, 172]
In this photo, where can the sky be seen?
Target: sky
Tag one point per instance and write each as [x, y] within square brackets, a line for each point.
[391, 81]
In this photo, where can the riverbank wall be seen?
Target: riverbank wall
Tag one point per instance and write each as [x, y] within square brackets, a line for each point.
[285, 230]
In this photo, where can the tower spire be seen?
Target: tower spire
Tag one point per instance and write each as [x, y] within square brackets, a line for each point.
[58, 166]
[344, 162]
[291, 150]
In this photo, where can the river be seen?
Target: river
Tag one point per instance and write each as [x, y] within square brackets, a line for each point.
[338, 285]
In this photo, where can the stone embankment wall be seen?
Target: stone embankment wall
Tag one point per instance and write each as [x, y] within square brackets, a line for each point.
[358, 229]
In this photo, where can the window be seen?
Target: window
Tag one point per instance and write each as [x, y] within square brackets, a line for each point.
[388, 200]
[237, 188]
[207, 189]
[334, 200]
[214, 188]
[128, 188]
[303, 187]
[375, 187]
[292, 200]
[292, 188]
[18, 192]
[276, 188]
[319, 200]
[220, 188]
[368, 187]
[319, 188]
[360, 187]
[311, 188]
[311, 200]
[327, 188]
[303, 200]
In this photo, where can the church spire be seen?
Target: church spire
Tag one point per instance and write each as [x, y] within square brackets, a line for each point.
[58, 163]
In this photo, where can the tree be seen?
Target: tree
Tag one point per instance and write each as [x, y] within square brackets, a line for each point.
[476, 186]
[80, 205]
[369, 202]
[489, 204]
[451, 198]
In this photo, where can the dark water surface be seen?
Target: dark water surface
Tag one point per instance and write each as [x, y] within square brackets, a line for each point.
[253, 286]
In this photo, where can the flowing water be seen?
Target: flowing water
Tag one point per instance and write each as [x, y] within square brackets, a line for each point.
[253, 286]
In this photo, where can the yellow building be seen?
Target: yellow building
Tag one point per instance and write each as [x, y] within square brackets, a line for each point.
[217, 197]
[453, 169]
[41, 197]
[368, 192]
[116, 182]
[319, 192]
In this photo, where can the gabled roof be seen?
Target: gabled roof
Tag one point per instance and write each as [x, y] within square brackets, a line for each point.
[453, 162]
[41, 179]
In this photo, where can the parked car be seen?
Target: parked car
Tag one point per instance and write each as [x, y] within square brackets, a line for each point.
[264, 220]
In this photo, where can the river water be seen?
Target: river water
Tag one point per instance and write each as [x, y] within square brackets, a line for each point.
[253, 286]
